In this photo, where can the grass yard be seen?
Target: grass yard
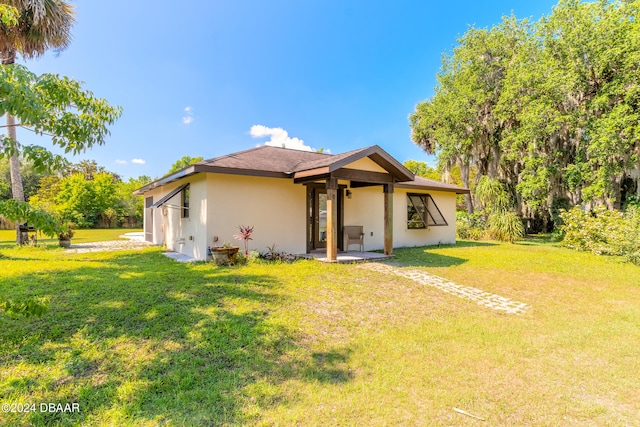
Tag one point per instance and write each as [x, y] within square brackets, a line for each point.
[8, 237]
[137, 339]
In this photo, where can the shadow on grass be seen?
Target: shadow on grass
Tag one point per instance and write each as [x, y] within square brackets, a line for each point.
[467, 244]
[538, 240]
[157, 341]
[426, 256]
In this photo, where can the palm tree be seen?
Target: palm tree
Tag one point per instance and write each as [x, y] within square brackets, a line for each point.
[42, 25]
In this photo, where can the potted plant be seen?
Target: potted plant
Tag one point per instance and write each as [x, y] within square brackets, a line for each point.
[225, 254]
[65, 235]
[244, 236]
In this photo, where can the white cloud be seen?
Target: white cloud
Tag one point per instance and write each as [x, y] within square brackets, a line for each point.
[188, 118]
[121, 162]
[279, 137]
[138, 161]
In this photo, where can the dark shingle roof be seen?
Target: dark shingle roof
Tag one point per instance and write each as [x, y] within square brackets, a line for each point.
[267, 159]
[284, 163]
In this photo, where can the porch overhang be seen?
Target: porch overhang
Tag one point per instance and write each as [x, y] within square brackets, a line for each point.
[338, 168]
[355, 176]
[334, 170]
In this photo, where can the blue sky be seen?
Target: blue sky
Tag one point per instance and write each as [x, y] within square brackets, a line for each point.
[196, 78]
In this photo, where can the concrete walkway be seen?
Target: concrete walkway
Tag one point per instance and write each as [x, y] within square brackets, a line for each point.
[135, 242]
[109, 245]
[485, 299]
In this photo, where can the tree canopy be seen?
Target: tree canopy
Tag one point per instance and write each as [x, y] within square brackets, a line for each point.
[88, 195]
[30, 28]
[421, 169]
[55, 106]
[551, 107]
[183, 162]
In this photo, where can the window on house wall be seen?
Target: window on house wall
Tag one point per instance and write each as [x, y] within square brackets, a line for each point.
[185, 202]
[422, 212]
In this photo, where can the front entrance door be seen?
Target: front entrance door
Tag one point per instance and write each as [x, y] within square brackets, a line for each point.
[320, 219]
[317, 226]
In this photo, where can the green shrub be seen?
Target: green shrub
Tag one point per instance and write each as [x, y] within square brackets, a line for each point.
[495, 220]
[603, 232]
[633, 257]
[505, 226]
[470, 226]
[500, 225]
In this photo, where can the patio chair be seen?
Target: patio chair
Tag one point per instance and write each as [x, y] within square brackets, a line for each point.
[353, 234]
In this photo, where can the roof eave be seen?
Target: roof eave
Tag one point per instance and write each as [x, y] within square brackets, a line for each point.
[375, 153]
[410, 185]
[312, 172]
[241, 171]
[202, 168]
[190, 170]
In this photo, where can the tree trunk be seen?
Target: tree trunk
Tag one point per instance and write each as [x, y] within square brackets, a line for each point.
[464, 171]
[17, 189]
[616, 203]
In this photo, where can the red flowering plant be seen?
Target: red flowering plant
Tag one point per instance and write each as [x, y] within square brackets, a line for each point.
[245, 236]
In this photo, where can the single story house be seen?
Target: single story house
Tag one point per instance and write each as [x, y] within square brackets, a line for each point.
[300, 201]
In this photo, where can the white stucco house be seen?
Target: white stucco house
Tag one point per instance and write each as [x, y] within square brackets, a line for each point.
[300, 201]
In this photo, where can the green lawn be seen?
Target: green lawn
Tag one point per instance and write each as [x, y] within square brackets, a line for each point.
[137, 339]
[7, 237]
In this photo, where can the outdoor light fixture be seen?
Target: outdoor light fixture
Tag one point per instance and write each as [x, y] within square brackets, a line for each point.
[348, 194]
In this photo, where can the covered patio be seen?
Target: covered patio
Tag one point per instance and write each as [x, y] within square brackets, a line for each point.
[328, 174]
[347, 257]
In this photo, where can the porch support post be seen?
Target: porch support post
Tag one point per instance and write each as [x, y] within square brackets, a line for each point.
[388, 219]
[332, 219]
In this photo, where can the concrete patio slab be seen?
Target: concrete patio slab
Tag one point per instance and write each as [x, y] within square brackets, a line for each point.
[136, 236]
[348, 257]
[179, 257]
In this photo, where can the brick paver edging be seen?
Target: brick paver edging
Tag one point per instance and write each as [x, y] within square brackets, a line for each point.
[485, 299]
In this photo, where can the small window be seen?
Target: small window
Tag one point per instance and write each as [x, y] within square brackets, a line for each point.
[185, 202]
[422, 212]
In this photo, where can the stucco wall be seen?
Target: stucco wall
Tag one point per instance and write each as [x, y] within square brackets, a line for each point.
[366, 164]
[405, 237]
[366, 208]
[157, 230]
[184, 235]
[190, 236]
[275, 207]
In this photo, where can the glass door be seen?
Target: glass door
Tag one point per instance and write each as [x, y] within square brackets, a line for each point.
[320, 218]
[317, 218]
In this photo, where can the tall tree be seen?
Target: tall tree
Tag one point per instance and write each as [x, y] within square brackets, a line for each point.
[131, 207]
[422, 169]
[41, 25]
[183, 163]
[30, 178]
[550, 108]
[459, 122]
[88, 168]
[58, 106]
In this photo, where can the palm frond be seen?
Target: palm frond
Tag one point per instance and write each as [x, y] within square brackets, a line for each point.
[42, 25]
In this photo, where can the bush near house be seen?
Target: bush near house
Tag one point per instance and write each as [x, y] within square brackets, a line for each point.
[603, 232]
[494, 219]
